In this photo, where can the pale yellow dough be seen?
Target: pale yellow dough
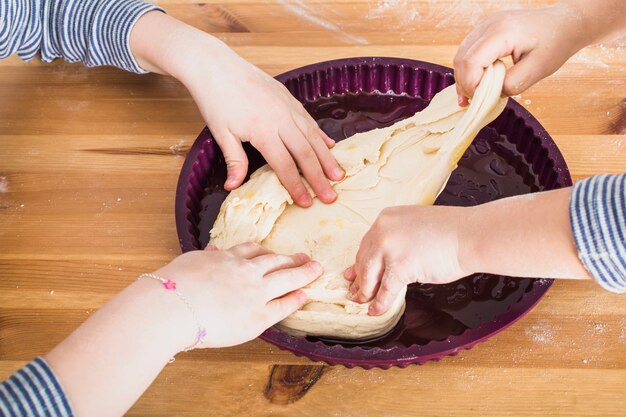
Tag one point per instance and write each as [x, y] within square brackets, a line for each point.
[407, 163]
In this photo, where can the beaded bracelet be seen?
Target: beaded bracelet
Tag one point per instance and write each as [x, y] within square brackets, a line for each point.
[170, 285]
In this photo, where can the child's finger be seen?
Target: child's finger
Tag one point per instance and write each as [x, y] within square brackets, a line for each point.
[368, 268]
[476, 33]
[210, 248]
[282, 307]
[354, 288]
[248, 250]
[282, 163]
[363, 254]
[527, 71]
[389, 289]
[470, 66]
[461, 97]
[369, 281]
[275, 262]
[284, 281]
[309, 119]
[349, 273]
[331, 167]
[320, 142]
[301, 150]
[235, 157]
[327, 139]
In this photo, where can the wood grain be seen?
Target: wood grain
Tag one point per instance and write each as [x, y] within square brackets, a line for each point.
[89, 160]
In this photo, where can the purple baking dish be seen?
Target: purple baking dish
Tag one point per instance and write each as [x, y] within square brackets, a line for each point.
[513, 155]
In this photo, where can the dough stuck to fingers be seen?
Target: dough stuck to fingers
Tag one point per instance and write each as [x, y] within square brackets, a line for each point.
[406, 163]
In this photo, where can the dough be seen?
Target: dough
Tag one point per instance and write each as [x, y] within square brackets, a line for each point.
[406, 163]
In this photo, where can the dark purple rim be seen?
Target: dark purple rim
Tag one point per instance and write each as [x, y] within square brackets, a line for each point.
[376, 357]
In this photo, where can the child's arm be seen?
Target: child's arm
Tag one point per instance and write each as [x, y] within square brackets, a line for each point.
[240, 103]
[237, 100]
[538, 40]
[110, 360]
[531, 236]
[575, 233]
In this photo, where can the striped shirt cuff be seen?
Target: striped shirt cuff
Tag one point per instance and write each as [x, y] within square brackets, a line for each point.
[109, 37]
[34, 391]
[94, 32]
[598, 218]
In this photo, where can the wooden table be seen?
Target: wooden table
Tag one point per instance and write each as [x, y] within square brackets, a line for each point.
[89, 160]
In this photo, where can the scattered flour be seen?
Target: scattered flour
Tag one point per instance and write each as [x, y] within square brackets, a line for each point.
[540, 334]
[176, 150]
[402, 10]
[587, 57]
[597, 55]
[599, 328]
[471, 374]
[4, 185]
[463, 11]
[454, 15]
[622, 335]
[466, 12]
[316, 15]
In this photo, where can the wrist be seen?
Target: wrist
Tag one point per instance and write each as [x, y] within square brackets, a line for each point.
[472, 255]
[199, 67]
[162, 44]
[173, 325]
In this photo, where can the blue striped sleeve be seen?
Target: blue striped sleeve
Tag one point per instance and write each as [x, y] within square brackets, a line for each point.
[94, 32]
[598, 217]
[34, 391]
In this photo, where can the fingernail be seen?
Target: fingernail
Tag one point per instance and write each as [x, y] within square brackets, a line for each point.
[302, 257]
[330, 195]
[316, 267]
[338, 172]
[372, 310]
[210, 247]
[302, 296]
[306, 199]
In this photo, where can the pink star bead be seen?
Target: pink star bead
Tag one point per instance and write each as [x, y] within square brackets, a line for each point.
[169, 285]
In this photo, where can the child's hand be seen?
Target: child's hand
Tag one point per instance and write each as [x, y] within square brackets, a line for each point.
[240, 103]
[406, 244]
[234, 295]
[237, 293]
[539, 42]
